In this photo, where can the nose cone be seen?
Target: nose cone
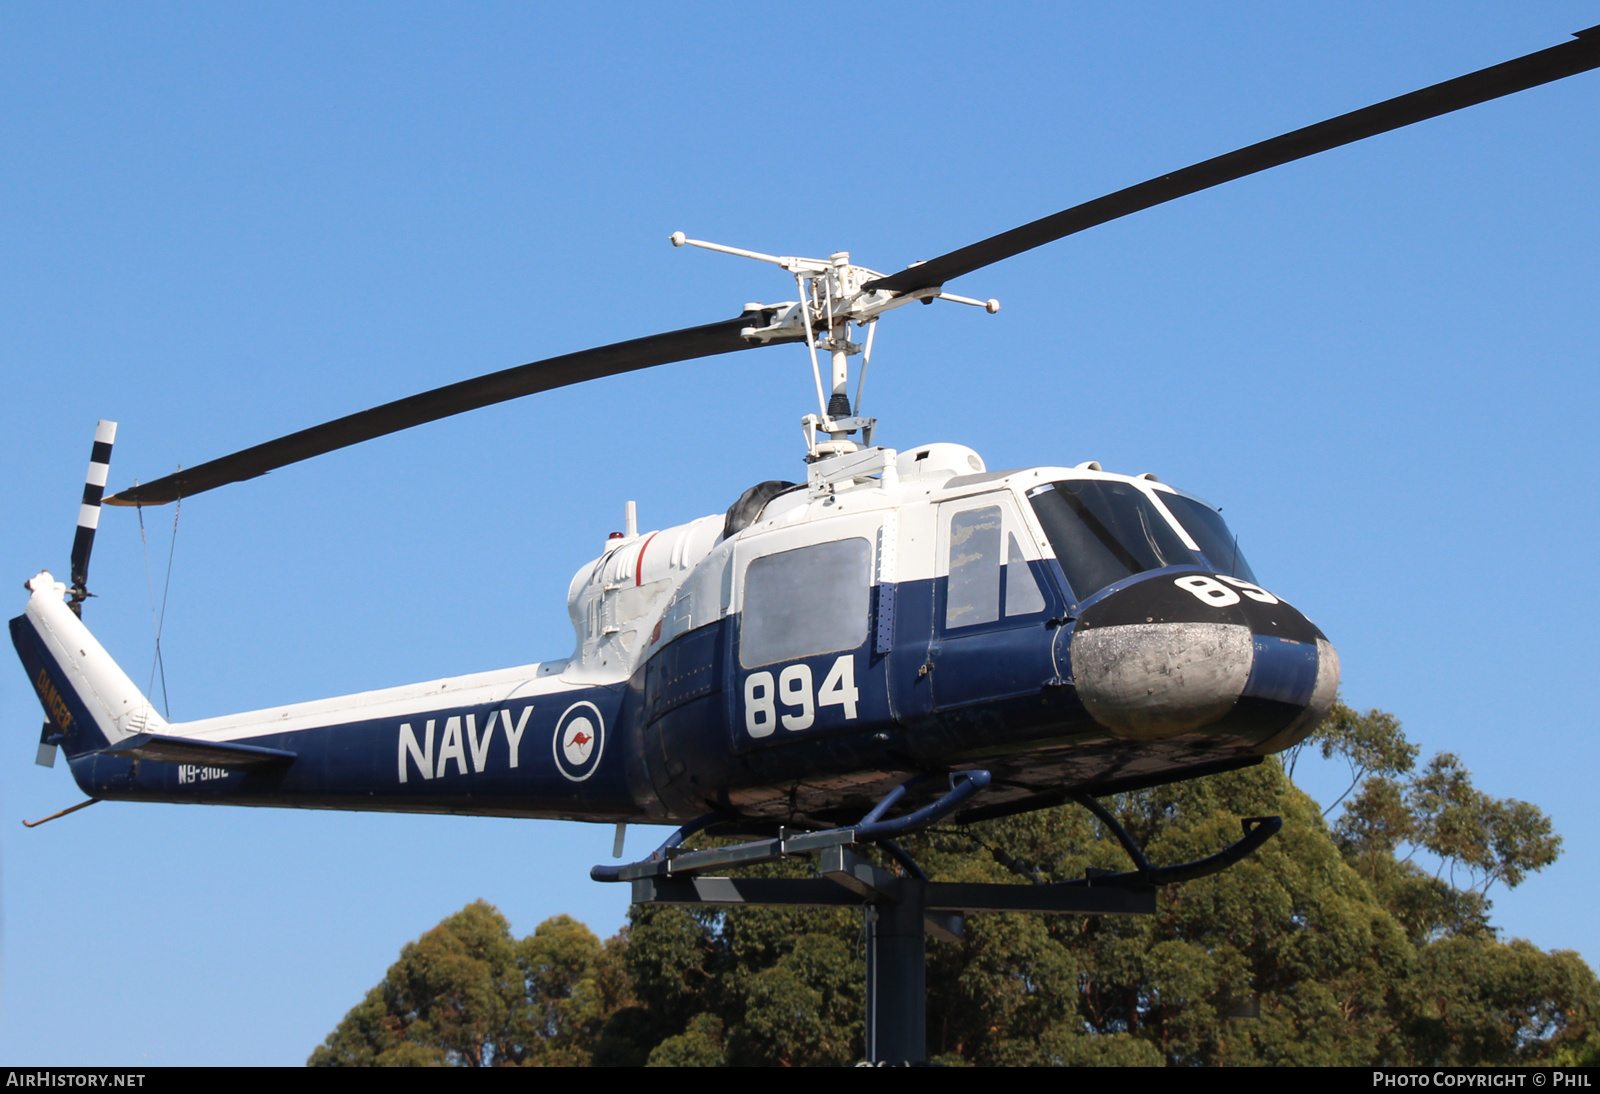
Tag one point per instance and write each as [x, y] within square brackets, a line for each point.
[1179, 653]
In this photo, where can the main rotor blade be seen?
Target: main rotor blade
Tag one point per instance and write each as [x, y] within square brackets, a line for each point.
[497, 387]
[1556, 63]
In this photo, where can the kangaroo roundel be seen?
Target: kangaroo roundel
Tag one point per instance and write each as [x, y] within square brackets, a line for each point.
[580, 737]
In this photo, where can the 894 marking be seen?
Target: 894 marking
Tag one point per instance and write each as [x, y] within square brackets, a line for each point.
[792, 688]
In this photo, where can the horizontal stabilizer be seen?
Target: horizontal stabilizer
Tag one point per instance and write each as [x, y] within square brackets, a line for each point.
[191, 750]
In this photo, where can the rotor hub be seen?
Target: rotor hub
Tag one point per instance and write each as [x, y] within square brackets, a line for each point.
[834, 293]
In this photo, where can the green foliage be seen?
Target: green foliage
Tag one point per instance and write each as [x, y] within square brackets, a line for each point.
[745, 987]
[1579, 1054]
[1492, 839]
[466, 994]
[1327, 946]
[1291, 930]
[1471, 836]
[1369, 744]
[450, 999]
[573, 984]
[1475, 1000]
[699, 1045]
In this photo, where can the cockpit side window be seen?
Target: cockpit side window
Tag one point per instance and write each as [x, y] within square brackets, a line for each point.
[1022, 591]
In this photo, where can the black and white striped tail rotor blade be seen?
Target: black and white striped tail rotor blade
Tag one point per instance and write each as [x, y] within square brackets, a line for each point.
[94, 487]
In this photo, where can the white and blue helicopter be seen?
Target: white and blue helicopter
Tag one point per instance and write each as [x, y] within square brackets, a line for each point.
[905, 635]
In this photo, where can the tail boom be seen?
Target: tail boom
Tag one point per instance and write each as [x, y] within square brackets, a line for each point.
[515, 742]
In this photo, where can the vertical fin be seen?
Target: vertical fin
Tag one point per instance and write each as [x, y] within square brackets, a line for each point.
[89, 700]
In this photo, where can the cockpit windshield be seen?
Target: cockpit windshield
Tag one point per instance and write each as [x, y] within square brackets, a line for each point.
[1103, 531]
[1207, 528]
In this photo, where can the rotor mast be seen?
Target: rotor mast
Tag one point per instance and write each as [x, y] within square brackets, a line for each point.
[833, 295]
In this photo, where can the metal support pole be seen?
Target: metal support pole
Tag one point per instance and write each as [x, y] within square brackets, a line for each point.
[899, 913]
[897, 977]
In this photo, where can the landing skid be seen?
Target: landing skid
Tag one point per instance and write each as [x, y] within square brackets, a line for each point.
[902, 910]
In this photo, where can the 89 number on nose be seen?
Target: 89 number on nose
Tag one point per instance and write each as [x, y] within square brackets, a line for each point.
[1212, 592]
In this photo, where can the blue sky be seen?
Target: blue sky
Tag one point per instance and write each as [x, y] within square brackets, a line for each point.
[220, 224]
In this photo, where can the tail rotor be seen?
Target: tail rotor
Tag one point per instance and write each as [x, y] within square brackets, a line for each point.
[94, 486]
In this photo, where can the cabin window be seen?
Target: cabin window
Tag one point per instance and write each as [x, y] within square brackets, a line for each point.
[974, 591]
[804, 602]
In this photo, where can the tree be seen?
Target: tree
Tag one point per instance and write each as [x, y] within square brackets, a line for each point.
[1290, 932]
[1475, 1000]
[1329, 945]
[1370, 744]
[452, 998]
[574, 984]
[748, 986]
[467, 994]
[1315, 950]
[1471, 836]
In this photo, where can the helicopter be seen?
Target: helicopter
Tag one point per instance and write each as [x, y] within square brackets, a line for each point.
[597, 528]
[793, 661]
